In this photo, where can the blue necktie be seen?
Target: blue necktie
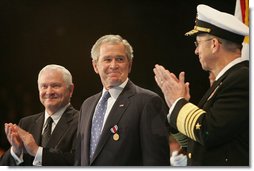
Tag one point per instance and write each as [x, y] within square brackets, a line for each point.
[98, 122]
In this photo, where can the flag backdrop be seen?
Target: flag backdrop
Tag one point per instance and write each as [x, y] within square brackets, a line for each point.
[242, 13]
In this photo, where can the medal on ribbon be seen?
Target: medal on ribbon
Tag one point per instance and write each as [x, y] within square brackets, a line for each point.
[114, 130]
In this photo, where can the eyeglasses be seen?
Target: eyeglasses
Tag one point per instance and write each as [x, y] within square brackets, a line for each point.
[198, 42]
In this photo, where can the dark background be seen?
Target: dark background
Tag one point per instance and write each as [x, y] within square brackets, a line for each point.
[34, 33]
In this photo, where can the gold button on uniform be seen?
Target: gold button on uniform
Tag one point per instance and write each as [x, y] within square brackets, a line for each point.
[189, 155]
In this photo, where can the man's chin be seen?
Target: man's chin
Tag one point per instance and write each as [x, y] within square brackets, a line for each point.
[51, 105]
[115, 83]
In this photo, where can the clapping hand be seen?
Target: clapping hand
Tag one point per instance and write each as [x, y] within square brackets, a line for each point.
[13, 138]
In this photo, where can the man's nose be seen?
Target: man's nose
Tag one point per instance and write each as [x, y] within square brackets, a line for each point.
[113, 64]
[49, 90]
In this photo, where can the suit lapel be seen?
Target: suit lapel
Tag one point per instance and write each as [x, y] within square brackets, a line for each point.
[61, 127]
[37, 128]
[211, 92]
[115, 115]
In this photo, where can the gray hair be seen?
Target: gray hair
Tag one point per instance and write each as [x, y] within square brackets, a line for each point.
[227, 44]
[230, 46]
[113, 39]
[53, 67]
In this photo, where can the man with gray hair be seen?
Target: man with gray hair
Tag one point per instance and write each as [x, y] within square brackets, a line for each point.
[123, 125]
[217, 129]
[47, 138]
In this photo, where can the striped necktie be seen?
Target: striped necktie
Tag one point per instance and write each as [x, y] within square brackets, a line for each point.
[47, 132]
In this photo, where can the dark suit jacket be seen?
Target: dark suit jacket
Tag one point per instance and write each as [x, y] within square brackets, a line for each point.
[61, 146]
[141, 119]
[222, 137]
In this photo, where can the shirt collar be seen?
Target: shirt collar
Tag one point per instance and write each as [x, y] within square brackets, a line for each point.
[56, 116]
[116, 91]
[228, 66]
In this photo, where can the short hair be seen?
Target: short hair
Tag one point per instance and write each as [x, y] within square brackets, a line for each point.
[230, 46]
[227, 44]
[66, 74]
[113, 39]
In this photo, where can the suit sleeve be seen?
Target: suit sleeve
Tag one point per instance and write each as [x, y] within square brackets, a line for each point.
[223, 116]
[154, 133]
[7, 159]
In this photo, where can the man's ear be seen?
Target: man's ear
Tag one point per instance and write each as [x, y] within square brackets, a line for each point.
[215, 45]
[95, 66]
[130, 65]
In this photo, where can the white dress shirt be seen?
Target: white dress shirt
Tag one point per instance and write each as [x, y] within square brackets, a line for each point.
[114, 93]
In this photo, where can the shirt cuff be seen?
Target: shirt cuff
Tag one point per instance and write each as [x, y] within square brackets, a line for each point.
[17, 159]
[38, 157]
[172, 108]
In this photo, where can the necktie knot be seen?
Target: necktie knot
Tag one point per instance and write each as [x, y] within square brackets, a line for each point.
[105, 96]
[49, 121]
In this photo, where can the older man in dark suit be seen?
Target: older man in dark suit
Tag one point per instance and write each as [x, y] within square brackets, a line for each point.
[47, 138]
[126, 128]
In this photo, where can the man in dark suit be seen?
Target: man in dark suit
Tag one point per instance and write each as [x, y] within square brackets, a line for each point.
[218, 128]
[58, 147]
[132, 129]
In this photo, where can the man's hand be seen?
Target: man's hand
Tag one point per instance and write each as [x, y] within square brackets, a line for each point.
[172, 87]
[28, 141]
[13, 138]
[178, 159]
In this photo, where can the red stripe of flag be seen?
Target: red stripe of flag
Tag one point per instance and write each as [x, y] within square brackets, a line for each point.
[243, 8]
